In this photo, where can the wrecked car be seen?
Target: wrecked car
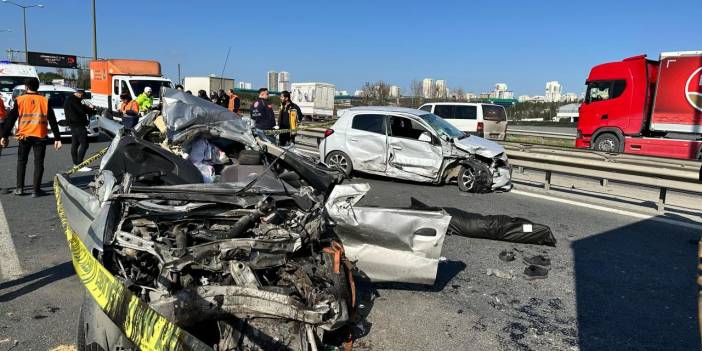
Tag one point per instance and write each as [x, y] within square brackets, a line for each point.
[196, 234]
[414, 145]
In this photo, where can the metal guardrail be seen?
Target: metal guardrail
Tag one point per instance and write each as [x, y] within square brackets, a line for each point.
[657, 172]
[521, 132]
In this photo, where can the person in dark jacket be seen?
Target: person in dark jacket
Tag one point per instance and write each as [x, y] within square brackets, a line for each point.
[290, 117]
[77, 116]
[203, 95]
[262, 112]
[222, 99]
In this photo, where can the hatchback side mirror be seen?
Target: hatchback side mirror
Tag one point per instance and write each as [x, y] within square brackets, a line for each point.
[425, 137]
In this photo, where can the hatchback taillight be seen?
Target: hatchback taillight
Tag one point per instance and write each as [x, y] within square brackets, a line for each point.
[328, 132]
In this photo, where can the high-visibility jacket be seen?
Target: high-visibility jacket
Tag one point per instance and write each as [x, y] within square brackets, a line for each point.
[129, 105]
[232, 101]
[145, 102]
[33, 111]
[3, 112]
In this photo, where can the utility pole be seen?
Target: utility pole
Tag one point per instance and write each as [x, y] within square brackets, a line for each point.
[94, 33]
[24, 20]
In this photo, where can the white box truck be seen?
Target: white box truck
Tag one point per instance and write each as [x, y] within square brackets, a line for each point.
[12, 75]
[208, 84]
[316, 100]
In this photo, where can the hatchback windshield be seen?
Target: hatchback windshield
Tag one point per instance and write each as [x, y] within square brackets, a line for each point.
[139, 85]
[442, 127]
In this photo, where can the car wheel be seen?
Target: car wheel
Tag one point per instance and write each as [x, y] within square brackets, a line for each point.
[607, 142]
[474, 177]
[339, 160]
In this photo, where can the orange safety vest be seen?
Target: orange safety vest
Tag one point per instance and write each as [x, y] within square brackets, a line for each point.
[3, 112]
[33, 110]
[131, 105]
[232, 99]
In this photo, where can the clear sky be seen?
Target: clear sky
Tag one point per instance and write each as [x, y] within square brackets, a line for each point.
[472, 44]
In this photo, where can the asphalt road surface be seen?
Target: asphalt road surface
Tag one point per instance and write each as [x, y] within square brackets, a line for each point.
[616, 282]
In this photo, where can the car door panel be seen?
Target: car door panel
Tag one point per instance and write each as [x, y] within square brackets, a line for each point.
[388, 244]
[367, 150]
[410, 158]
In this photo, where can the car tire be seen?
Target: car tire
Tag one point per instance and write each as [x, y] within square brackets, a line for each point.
[474, 177]
[607, 142]
[338, 159]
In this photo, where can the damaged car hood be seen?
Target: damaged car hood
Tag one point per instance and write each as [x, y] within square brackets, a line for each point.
[480, 146]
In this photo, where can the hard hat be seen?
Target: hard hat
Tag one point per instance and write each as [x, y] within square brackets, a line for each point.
[147, 89]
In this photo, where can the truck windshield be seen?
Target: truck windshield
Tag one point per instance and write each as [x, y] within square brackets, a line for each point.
[442, 127]
[7, 83]
[494, 113]
[138, 86]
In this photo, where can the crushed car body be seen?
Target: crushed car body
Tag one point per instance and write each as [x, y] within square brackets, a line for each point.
[243, 245]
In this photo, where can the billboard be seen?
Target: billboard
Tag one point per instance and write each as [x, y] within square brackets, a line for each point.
[52, 60]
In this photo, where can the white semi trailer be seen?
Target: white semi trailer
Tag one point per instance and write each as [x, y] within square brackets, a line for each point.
[316, 100]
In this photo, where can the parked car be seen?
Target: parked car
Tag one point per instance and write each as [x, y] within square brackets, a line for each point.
[414, 145]
[484, 120]
[56, 95]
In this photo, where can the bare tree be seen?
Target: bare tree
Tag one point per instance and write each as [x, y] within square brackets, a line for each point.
[376, 93]
[459, 94]
[416, 90]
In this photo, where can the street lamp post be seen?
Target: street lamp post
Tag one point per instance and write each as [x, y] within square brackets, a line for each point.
[94, 33]
[24, 20]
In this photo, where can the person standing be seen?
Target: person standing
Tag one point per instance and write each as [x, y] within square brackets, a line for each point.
[203, 95]
[32, 113]
[234, 102]
[262, 113]
[222, 99]
[145, 100]
[77, 116]
[290, 116]
[129, 109]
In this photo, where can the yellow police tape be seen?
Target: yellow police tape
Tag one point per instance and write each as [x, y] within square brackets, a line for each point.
[143, 326]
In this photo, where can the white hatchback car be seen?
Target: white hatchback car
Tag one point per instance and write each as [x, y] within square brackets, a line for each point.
[414, 145]
[56, 95]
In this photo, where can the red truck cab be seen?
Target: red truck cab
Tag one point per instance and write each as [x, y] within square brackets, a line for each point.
[641, 106]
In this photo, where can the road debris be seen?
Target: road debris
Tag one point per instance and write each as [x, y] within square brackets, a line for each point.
[538, 260]
[532, 272]
[506, 256]
[498, 273]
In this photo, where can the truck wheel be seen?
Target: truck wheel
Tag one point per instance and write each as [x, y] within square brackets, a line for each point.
[474, 177]
[339, 160]
[607, 142]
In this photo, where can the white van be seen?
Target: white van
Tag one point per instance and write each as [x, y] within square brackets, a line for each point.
[485, 120]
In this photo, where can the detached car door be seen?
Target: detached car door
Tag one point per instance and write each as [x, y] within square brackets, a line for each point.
[409, 157]
[366, 142]
[388, 244]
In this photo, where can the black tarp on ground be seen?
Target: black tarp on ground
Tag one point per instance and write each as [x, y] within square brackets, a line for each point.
[494, 227]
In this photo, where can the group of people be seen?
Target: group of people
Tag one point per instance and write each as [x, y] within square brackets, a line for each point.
[34, 119]
[264, 117]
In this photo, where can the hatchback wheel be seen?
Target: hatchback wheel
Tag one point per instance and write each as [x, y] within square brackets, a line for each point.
[474, 178]
[339, 160]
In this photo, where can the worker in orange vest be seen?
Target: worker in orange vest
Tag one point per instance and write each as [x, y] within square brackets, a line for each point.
[34, 117]
[234, 102]
[127, 103]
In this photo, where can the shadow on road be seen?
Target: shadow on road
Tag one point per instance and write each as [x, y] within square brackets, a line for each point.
[36, 280]
[636, 288]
